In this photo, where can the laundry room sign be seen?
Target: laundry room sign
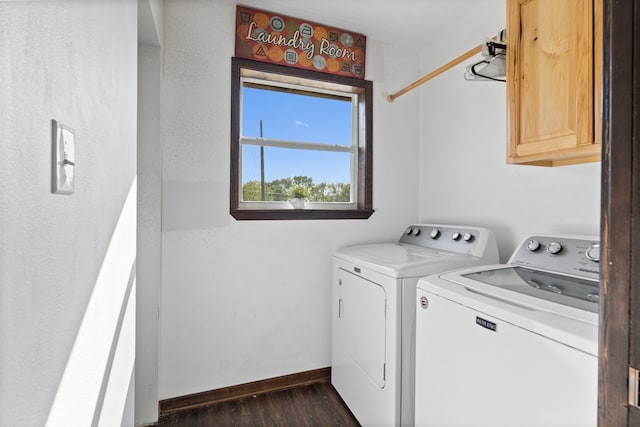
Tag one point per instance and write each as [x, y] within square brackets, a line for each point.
[283, 40]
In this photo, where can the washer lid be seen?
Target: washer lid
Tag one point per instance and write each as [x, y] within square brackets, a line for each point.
[509, 286]
[571, 291]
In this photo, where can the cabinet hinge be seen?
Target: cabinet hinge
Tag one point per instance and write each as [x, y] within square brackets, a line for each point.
[634, 387]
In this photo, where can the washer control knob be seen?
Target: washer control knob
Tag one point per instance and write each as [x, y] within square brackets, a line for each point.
[455, 235]
[534, 283]
[533, 245]
[409, 231]
[467, 237]
[593, 253]
[553, 288]
[554, 248]
[435, 233]
[416, 231]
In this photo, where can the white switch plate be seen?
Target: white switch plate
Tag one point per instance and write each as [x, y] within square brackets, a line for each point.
[63, 158]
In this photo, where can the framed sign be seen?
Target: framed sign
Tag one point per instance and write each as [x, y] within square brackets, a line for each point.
[279, 39]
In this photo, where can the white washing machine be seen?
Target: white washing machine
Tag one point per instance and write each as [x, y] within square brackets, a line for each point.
[373, 323]
[511, 345]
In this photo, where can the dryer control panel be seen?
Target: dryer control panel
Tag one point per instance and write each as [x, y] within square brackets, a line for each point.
[452, 238]
[573, 255]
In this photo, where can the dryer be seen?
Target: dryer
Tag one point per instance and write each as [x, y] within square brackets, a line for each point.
[373, 319]
[513, 344]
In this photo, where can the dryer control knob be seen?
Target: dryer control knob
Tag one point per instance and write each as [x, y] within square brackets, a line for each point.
[593, 253]
[435, 233]
[533, 245]
[416, 231]
[467, 237]
[455, 235]
[554, 248]
[409, 231]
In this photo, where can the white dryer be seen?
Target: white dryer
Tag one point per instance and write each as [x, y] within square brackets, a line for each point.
[373, 319]
[511, 345]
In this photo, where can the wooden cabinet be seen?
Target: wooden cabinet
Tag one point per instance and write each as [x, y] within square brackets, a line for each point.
[554, 80]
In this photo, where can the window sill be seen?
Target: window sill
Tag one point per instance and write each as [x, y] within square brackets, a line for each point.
[294, 214]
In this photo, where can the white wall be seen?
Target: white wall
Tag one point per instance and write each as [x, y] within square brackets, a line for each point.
[248, 300]
[149, 238]
[464, 177]
[149, 232]
[150, 22]
[67, 262]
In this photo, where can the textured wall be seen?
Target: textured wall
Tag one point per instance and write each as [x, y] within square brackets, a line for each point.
[66, 305]
[149, 239]
[248, 300]
[149, 233]
[463, 144]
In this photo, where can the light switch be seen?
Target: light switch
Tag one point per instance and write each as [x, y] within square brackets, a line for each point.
[63, 158]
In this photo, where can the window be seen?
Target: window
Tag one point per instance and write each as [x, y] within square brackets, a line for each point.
[299, 134]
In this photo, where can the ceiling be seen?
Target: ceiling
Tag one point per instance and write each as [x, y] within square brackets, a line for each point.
[414, 24]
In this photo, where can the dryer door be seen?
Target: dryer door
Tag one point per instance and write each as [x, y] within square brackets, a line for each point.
[363, 315]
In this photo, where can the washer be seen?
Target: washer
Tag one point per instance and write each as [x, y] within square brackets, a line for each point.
[513, 344]
[373, 319]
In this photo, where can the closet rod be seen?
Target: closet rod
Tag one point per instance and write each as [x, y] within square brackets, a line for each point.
[476, 50]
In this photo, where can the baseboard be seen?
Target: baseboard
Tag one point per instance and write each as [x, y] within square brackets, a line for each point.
[224, 394]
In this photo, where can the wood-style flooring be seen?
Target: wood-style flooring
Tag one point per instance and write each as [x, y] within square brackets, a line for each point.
[314, 405]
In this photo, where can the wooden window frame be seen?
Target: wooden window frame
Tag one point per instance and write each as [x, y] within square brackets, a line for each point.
[363, 195]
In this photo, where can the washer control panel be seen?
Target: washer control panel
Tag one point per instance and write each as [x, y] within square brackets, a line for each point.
[574, 255]
[459, 239]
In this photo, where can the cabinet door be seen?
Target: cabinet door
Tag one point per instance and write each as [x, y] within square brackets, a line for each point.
[550, 75]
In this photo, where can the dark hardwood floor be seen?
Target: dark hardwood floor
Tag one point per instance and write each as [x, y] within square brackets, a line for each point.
[314, 405]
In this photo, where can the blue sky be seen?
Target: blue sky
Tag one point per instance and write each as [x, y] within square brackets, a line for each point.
[298, 118]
